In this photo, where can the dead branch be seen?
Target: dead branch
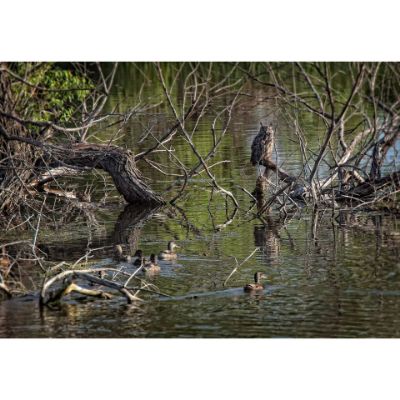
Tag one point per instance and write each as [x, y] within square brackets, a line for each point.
[372, 136]
[239, 265]
[86, 275]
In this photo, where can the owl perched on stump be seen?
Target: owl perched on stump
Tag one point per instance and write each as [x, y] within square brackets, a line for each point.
[262, 146]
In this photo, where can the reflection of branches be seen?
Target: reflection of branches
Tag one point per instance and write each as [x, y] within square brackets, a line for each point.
[199, 90]
[129, 225]
[185, 221]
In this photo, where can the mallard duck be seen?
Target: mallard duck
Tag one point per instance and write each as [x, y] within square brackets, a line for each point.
[250, 287]
[139, 258]
[119, 254]
[169, 254]
[152, 265]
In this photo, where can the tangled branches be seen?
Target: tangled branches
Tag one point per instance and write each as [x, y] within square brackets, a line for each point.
[361, 125]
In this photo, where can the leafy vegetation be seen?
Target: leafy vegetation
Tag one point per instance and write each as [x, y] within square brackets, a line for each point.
[57, 90]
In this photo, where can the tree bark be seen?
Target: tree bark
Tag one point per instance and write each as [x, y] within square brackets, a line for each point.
[118, 162]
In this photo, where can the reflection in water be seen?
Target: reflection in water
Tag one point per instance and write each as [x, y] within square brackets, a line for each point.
[331, 287]
[129, 225]
[125, 230]
[267, 238]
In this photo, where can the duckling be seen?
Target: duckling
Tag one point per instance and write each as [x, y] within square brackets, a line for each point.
[119, 254]
[140, 258]
[152, 266]
[250, 287]
[169, 254]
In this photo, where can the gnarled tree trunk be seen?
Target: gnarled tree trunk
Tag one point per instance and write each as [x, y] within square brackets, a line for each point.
[118, 162]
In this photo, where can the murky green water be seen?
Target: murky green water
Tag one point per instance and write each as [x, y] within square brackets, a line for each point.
[327, 277]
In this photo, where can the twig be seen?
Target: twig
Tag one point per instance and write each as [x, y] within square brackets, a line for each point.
[239, 265]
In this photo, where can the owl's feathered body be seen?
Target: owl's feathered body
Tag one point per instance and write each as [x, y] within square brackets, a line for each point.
[263, 145]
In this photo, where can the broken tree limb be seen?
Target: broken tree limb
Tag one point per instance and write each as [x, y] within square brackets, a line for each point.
[283, 175]
[73, 287]
[370, 187]
[118, 162]
[261, 153]
[86, 275]
[53, 173]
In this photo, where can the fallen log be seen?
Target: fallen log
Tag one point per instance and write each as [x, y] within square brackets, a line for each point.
[119, 163]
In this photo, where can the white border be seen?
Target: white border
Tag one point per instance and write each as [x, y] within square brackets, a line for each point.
[200, 369]
[217, 30]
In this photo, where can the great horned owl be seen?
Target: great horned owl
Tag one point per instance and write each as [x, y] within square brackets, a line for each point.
[263, 145]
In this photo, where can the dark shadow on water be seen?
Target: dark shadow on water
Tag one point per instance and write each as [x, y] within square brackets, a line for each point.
[129, 225]
[126, 231]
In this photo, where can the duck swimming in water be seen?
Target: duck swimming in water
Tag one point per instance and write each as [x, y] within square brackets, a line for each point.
[119, 254]
[250, 287]
[140, 258]
[152, 266]
[169, 254]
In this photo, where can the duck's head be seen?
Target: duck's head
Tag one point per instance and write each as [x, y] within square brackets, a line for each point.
[258, 276]
[172, 245]
[138, 254]
[153, 258]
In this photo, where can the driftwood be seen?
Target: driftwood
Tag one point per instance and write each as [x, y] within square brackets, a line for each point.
[94, 276]
[86, 275]
[73, 287]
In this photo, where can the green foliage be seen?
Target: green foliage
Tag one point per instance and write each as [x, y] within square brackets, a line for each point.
[54, 90]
